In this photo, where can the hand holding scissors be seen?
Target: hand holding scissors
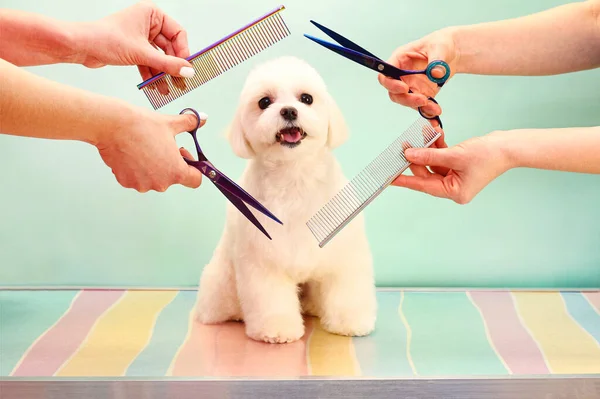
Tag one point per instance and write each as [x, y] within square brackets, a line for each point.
[358, 54]
[234, 193]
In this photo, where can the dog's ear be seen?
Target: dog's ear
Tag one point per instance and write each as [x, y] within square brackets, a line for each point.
[338, 129]
[237, 137]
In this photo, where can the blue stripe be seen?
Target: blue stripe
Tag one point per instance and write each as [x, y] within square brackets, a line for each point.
[448, 336]
[583, 313]
[169, 334]
[383, 353]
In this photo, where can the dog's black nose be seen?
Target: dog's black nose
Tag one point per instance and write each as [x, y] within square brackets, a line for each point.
[289, 113]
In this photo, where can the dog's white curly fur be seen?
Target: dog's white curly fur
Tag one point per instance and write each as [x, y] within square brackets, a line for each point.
[271, 284]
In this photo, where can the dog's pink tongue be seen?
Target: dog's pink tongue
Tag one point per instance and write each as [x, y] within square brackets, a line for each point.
[292, 136]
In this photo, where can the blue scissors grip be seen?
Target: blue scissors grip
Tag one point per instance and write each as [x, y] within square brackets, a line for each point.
[431, 66]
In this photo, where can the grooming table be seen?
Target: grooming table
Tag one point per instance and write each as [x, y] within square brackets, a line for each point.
[434, 343]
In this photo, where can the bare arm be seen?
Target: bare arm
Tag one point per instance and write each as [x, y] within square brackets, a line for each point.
[33, 39]
[560, 40]
[64, 113]
[137, 144]
[574, 149]
[462, 171]
[128, 37]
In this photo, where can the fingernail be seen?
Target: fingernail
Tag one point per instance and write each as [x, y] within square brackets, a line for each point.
[186, 72]
[203, 116]
[409, 152]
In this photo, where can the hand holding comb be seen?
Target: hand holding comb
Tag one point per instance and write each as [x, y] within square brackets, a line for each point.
[218, 58]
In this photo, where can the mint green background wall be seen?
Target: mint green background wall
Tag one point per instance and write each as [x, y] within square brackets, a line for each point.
[65, 221]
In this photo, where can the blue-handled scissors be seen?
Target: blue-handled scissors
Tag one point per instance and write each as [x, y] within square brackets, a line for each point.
[232, 191]
[358, 54]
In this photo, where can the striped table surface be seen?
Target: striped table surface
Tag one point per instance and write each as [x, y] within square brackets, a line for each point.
[112, 333]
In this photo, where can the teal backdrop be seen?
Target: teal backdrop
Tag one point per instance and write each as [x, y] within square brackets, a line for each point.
[64, 220]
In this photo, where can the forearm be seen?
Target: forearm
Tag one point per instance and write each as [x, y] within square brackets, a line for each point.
[565, 149]
[37, 107]
[560, 40]
[33, 39]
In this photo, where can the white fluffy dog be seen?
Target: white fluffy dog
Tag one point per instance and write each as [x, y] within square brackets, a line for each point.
[287, 124]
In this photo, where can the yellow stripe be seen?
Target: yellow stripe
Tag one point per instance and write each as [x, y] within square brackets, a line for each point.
[567, 347]
[330, 354]
[119, 335]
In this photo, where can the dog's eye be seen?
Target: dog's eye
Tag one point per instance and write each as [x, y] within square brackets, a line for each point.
[306, 98]
[264, 102]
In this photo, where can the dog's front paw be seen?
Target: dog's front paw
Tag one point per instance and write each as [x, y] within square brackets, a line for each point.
[276, 329]
[350, 322]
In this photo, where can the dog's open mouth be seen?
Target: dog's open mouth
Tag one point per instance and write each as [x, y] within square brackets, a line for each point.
[290, 136]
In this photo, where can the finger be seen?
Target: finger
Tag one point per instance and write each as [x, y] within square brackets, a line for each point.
[433, 185]
[162, 62]
[394, 86]
[162, 42]
[144, 72]
[191, 177]
[412, 100]
[172, 31]
[406, 58]
[445, 157]
[439, 143]
[186, 122]
[419, 170]
[147, 72]
[431, 109]
[186, 154]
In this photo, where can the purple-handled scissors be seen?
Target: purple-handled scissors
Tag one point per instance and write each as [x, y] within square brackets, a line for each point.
[358, 54]
[232, 191]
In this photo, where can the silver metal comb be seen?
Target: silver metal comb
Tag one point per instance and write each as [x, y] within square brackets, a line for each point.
[370, 182]
[217, 58]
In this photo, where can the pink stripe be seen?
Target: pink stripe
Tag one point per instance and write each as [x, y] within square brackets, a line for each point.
[224, 350]
[512, 341]
[594, 298]
[60, 342]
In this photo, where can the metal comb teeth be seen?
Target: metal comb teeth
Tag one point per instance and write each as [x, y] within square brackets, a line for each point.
[218, 58]
[370, 182]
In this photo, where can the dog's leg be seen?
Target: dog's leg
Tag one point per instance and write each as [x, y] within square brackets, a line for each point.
[348, 299]
[310, 298]
[217, 296]
[270, 304]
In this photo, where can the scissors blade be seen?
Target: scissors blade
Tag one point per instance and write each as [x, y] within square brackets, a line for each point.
[222, 181]
[342, 40]
[239, 204]
[373, 63]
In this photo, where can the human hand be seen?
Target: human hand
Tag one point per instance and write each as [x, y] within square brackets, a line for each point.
[458, 173]
[133, 36]
[143, 153]
[416, 56]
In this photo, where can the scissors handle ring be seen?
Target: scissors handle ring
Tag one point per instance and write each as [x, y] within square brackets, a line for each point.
[431, 66]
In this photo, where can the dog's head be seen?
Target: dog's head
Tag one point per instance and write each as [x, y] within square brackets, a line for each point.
[285, 112]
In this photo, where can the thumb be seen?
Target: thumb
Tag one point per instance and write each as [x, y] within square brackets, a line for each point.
[438, 52]
[169, 64]
[186, 122]
[444, 157]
